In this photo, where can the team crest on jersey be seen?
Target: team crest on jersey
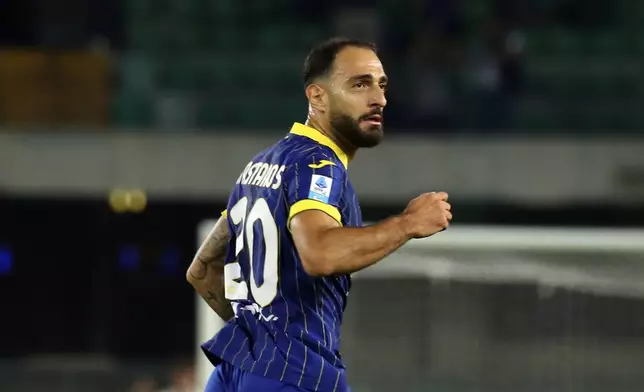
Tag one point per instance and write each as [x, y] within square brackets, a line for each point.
[320, 188]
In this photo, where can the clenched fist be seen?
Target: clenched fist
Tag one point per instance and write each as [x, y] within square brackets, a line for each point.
[427, 214]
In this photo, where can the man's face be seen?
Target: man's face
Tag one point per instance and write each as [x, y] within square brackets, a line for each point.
[356, 89]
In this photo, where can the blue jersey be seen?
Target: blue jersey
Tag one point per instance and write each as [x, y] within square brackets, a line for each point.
[287, 323]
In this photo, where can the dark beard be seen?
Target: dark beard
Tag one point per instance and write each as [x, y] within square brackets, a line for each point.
[348, 128]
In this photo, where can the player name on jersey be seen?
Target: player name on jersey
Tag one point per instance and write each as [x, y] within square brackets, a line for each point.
[262, 174]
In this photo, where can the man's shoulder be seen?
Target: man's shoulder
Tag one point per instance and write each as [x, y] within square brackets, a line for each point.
[307, 153]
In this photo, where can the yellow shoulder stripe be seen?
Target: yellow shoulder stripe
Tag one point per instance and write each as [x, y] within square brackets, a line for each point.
[310, 204]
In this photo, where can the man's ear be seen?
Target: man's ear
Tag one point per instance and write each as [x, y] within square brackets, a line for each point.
[317, 97]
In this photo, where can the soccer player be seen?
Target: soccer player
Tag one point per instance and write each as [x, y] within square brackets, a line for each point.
[277, 265]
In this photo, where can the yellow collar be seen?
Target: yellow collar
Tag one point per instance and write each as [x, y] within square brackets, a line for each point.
[314, 134]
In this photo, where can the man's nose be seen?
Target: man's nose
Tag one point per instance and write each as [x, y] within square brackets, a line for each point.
[378, 99]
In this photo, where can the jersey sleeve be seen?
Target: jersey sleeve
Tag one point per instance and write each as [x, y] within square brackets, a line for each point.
[315, 182]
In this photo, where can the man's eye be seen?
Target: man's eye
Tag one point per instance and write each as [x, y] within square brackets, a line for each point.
[359, 85]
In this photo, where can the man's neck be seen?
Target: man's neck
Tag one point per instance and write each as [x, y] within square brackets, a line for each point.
[326, 130]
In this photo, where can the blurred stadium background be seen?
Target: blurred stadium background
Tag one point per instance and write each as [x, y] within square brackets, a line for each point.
[124, 124]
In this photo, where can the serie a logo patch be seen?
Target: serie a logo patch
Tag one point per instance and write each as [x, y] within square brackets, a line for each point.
[320, 188]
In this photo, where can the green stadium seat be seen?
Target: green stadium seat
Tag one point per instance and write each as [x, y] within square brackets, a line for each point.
[222, 39]
[215, 112]
[188, 10]
[530, 118]
[553, 43]
[567, 43]
[271, 38]
[137, 73]
[223, 10]
[132, 109]
[605, 43]
[141, 36]
[177, 73]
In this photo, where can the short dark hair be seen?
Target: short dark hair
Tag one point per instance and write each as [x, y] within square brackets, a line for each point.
[320, 59]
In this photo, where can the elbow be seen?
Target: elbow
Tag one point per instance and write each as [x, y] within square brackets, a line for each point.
[316, 266]
[191, 277]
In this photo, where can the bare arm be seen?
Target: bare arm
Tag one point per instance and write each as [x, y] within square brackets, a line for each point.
[206, 273]
[326, 248]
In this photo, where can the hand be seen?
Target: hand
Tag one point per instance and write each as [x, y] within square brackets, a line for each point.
[427, 214]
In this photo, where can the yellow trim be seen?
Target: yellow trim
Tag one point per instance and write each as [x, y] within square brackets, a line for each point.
[224, 213]
[314, 134]
[310, 204]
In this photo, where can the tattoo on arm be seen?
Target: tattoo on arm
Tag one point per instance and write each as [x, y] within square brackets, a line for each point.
[206, 273]
[212, 251]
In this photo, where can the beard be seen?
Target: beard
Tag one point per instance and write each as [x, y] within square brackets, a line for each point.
[350, 129]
